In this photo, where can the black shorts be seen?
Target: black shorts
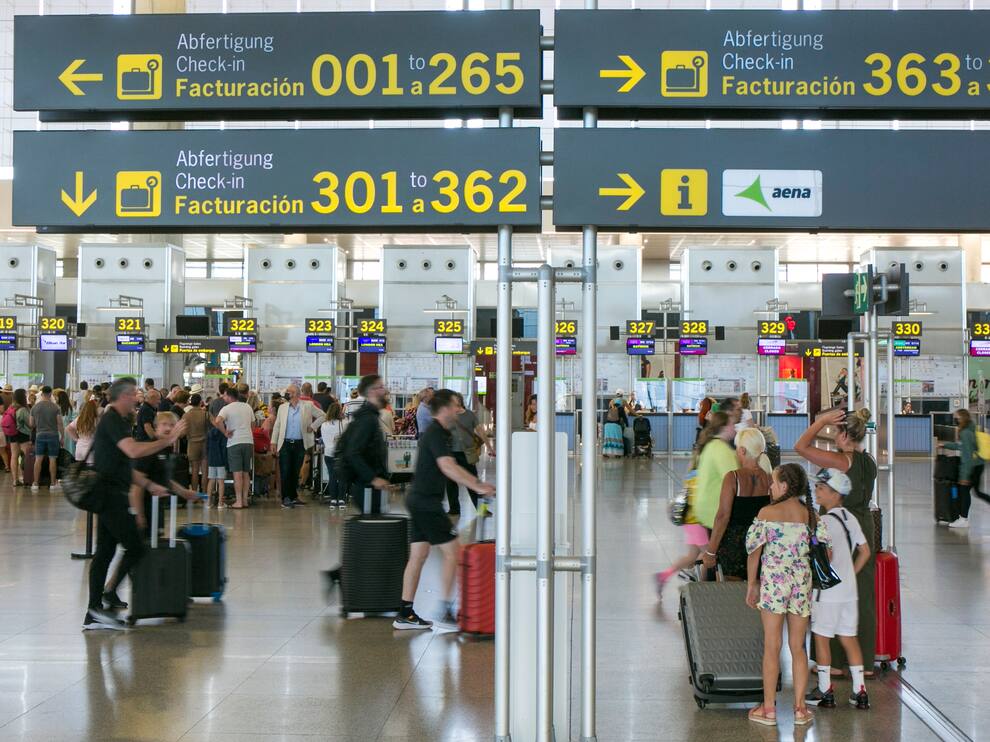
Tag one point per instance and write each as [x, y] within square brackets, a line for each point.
[433, 526]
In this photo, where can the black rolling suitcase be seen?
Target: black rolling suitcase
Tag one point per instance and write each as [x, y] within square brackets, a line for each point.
[160, 581]
[944, 488]
[208, 553]
[724, 641]
[374, 552]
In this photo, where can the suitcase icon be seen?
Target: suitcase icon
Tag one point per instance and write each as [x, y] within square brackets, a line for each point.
[136, 82]
[139, 76]
[682, 79]
[684, 74]
[138, 197]
[139, 193]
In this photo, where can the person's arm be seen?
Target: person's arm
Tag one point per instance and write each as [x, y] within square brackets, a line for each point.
[806, 448]
[276, 431]
[220, 425]
[149, 429]
[725, 499]
[61, 425]
[483, 434]
[138, 450]
[752, 576]
[184, 492]
[448, 465]
[359, 443]
[862, 557]
[135, 497]
[967, 447]
[71, 431]
[31, 423]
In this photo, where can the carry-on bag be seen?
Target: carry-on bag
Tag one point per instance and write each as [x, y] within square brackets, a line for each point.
[374, 552]
[945, 489]
[724, 642]
[208, 553]
[477, 578]
[160, 581]
[888, 602]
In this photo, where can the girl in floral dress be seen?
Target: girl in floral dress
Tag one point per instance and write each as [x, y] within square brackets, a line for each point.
[779, 572]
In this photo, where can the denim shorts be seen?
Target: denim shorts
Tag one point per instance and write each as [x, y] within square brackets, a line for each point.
[46, 444]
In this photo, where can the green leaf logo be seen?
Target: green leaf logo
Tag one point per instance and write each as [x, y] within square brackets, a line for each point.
[754, 192]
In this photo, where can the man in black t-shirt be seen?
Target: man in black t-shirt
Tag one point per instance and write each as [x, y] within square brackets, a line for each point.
[435, 464]
[113, 449]
[144, 429]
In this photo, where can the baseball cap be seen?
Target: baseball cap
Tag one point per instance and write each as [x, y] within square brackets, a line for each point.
[835, 479]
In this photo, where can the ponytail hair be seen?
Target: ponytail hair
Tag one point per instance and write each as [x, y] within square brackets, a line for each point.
[855, 425]
[752, 440]
[796, 480]
[716, 423]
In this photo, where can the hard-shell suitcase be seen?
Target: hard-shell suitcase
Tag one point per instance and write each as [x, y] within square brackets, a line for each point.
[888, 600]
[374, 552]
[724, 641]
[946, 468]
[946, 496]
[208, 554]
[160, 581]
[27, 457]
[477, 578]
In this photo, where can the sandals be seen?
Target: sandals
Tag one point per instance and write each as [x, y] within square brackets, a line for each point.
[765, 716]
[803, 716]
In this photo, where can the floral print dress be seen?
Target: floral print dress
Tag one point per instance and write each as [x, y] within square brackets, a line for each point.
[785, 568]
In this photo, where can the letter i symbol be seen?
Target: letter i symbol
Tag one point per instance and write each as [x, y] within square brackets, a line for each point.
[685, 192]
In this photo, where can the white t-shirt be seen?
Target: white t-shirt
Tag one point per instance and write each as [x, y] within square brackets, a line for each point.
[842, 559]
[745, 421]
[238, 417]
[330, 431]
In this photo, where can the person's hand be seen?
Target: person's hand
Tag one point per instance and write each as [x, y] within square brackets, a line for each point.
[179, 430]
[964, 482]
[833, 417]
[707, 560]
[380, 484]
[190, 495]
[484, 488]
[752, 595]
[229, 433]
[157, 490]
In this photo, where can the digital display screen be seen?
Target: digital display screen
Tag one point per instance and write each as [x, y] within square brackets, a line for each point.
[445, 345]
[640, 346]
[907, 347]
[8, 341]
[243, 343]
[319, 343]
[979, 348]
[692, 346]
[130, 343]
[770, 346]
[53, 342]
[371, 343]
[566, 345]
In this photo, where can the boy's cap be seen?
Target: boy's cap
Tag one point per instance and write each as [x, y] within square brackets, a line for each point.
[835, 479]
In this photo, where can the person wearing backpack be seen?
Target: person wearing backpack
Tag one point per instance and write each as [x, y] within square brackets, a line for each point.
[361, 456]
[331, 431]
[970, 465]
[16, 425]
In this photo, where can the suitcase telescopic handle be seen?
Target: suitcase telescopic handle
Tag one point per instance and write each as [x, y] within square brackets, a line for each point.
[174, 505]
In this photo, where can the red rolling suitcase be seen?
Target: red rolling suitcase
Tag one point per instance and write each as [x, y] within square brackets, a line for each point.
[888, 597]
[477, 612]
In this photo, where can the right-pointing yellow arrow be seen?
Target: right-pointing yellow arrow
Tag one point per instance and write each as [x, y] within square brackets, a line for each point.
[633, 73]
[77, 203]
[70, 76]
[633, 192]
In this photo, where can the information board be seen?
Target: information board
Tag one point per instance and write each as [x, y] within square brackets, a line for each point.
[319, 343]
[694, 346]
[277, 65]
[242, 343]
[8, 341]
[277, 179]
[640, 346]
[742, 63]
[566, 345]
[205, 346]
[58, 342]
[979, 348]
[907, 347]
[770, 179]
[371, 344]
[770, 346]
[130, 343]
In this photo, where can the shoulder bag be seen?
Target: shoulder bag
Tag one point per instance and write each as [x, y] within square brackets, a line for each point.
[823, 577]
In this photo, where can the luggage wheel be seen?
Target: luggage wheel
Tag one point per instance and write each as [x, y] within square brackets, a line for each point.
[701, 702]
[901, 661]
[131, 620]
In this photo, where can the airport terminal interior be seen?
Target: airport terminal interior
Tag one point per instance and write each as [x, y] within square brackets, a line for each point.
[654, 248]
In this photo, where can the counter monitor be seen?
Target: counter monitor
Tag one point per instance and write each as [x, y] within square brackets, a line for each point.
[243, 343]
[692, 346]
[907, 347]
[8, 341]
[319, 343]
[448, 345]
[130, 343]
[566, 345]
[979, 348]
[371, 344]
[771, 346]
[640, 346]
[53, 342]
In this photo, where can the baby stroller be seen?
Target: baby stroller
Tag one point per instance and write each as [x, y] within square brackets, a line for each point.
[642, 437]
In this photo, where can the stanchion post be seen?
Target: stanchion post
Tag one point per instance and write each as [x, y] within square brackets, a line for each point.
[88, 554]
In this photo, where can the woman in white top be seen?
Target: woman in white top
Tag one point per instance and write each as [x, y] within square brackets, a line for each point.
[330, 431]
[746, 419]
[83, 428]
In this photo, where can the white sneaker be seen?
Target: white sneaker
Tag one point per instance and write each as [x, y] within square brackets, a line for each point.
[34, 488]
[960, 522]
[57, 487]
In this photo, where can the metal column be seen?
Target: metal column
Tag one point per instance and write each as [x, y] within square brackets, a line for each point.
[890, 444]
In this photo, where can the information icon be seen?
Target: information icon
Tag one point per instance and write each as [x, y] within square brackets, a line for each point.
[684, 74]
[139, 193]
[139, 76]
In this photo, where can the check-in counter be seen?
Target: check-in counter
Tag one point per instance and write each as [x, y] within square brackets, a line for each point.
[685, 431]
[788, 428]
[912, 435]
[566, 422]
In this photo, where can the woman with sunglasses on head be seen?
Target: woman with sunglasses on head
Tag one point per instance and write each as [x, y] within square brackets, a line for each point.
[861, 469]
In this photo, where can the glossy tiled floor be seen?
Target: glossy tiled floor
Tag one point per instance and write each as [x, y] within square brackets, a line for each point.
[274, 662]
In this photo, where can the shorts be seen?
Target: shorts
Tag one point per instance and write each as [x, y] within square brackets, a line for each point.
[19, 438]
[695, 534]
[196, 450]
[216, 472]
[835, 619]
[240, 456]
[431, 525]
[47, 444]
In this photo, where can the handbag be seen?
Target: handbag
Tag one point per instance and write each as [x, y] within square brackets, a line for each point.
[79, 485]
[823, 577]
[472, 453]
[680, 504]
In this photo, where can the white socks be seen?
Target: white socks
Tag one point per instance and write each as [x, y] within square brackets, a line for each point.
[859, 680]
[825, 677]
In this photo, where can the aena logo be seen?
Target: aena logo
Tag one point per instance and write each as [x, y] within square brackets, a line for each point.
[772, 193]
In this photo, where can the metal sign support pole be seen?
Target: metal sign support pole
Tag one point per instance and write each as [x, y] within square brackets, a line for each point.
[890, 444]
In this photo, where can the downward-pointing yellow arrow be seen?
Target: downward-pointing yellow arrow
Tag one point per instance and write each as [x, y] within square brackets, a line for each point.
[633, 73]
[633, 193]
[76, 203]
[70, 76]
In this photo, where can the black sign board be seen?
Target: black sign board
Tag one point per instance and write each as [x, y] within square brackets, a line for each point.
[565, 327]
[743, 63]
[319, 343]
[8, 323]
[277, 65]
[129, 324]
[372, 326]
[772, 328]
[825, 349]
[641, 328]
[770, 179]
[53, 325]
[205, 346]
[448, 327]
[278, 180]
[130, 343]
[519, 348]
[239, 325]
[8, 341]
[906, 329]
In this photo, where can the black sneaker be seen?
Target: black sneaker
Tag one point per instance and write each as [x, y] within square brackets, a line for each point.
[287, 505]
[112, 601]
[860, 700]
[824, 700]
[100, 619]
[331, 578]
[447, 624]
[412, 622]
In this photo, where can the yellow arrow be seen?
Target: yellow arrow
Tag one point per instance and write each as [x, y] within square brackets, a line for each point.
[633, 193]
[70, 76]
[78, 204]
[633, 73]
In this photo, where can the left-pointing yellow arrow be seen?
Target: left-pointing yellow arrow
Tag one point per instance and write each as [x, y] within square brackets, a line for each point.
[633, 192]
[633, 73]
[70, 76]
[77, 203]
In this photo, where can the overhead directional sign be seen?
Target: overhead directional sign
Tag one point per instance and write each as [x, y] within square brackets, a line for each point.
[770, 179]
[279, 180]
[192, 345]
[735, 64]
[277, 65]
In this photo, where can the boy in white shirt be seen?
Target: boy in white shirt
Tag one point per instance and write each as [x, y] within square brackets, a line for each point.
[835, 612]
